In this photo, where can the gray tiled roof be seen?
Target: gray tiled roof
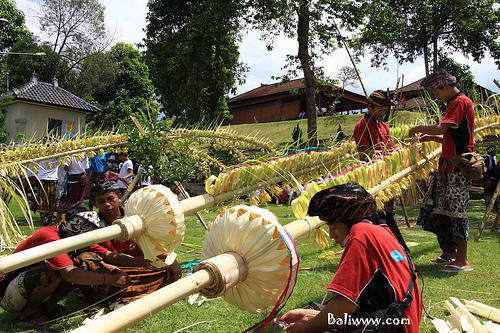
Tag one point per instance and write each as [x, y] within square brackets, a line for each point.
[47, 93]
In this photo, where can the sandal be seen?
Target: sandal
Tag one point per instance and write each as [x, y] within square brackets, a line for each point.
[441, 261]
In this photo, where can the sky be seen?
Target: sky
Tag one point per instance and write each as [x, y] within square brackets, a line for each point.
[128, 19]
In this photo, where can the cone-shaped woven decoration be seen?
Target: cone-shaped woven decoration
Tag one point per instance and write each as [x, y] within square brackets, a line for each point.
[267, 249]
[164, 218]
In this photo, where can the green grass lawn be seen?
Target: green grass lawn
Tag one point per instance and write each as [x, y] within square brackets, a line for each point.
[218, 316]
[279, 132]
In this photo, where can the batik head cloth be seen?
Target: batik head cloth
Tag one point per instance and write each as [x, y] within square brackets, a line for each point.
[380, 98]
[438, 79]
[347, 203]
[81, 222]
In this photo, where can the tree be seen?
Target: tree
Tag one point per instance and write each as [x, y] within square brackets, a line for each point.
[97, 75]
[15, 27]
[347, 77]
[20, 68]
[194, 65]
[130, 91]
[312, 22]
[76, 28]
[432, 28]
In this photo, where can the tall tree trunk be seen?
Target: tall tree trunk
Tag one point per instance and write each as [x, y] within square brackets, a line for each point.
[434, 53]
[426, 59]
[305, 62]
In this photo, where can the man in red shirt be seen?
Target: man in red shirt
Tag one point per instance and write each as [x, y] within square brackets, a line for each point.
[36, 289]
[371, 133]
[372, 136]
[374, 271]
[444, 209]
[106, 197]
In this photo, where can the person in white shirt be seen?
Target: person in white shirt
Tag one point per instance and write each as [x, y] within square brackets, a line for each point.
[77, 180]
[145, 178]
[126, 172]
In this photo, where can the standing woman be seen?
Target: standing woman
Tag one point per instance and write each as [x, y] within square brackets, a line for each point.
[445, 204]
[372, 137]
[76, 183]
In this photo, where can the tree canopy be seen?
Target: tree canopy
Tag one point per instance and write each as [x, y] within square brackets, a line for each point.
[127, 92]
[347, 76]
[76, 28]
[20, 68]
[431, 28]
[14, 28]
[192, 53]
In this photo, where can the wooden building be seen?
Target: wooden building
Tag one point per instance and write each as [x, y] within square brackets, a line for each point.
[287, 100]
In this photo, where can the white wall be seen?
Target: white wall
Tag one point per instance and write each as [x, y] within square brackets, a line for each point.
[32, 119]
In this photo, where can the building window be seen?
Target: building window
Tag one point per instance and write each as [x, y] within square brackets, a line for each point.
[54, 126]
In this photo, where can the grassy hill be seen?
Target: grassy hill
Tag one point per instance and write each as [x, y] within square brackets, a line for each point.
[280, 132]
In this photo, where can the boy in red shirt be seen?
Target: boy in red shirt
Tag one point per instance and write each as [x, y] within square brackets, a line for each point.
[374, 271]
[444, 209]
[36, 289]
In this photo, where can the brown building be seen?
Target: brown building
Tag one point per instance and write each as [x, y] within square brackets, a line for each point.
[287, 100]
[411, 96]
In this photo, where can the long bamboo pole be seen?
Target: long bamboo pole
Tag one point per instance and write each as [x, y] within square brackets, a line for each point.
[136, 311]
[35, 254]
[70, 152]
[190, 206]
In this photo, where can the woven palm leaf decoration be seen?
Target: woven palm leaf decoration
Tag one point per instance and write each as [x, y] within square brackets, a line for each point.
[163, 215]
[267, 249]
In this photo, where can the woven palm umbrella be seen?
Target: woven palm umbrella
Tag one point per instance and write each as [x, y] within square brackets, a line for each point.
[254, 266]
[153, 218]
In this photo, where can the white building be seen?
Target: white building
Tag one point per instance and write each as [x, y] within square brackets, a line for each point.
[39, 107]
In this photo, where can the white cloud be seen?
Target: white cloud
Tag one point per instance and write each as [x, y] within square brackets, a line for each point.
[129, 18]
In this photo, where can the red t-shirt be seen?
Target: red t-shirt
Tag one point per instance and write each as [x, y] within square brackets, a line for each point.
[460, 136]
[127, 247]
[372, 133]
[374, 270]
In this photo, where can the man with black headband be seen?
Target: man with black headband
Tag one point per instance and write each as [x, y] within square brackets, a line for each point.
[372, 136]
[444, 208]
[36, 289]
[374, 271]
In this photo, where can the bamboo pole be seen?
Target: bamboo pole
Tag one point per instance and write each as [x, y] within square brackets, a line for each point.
[70, 152]
[403, 206]
[403, 173]
[148, 305]
[187, 196]
[350, 57]
[220, 266]
[487, 213]
[204, 201]
[190, 206]
[36, 254]
[496, 83]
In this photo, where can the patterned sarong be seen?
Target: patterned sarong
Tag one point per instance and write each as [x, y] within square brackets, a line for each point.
[444, 209]
[143, 280]
[46, 196]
